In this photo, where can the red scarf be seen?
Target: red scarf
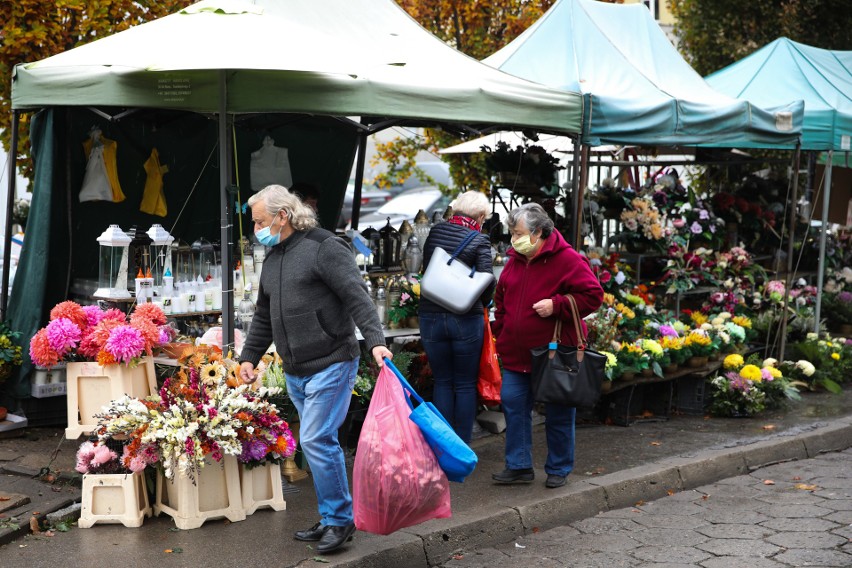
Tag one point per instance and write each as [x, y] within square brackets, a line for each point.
[465, 221]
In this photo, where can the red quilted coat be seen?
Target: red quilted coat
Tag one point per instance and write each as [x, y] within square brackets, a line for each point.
[556, 270]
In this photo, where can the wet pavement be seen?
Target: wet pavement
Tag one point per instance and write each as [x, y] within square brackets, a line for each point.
[791, 514]
[616, 467]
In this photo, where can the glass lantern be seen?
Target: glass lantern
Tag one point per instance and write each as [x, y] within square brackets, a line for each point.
[113, 264]
[181, 261]
[405, 231]
[412, 258]
[203, 259]
[374, 263]
[161, 258]
[421, 226]
[140, 253]
[390, 245]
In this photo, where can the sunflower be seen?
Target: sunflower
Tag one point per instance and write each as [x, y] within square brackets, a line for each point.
[211, 373]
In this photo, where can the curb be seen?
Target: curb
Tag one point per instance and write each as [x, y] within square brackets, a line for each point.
[493, 524]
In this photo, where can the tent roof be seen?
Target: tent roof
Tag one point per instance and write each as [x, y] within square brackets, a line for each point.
[337, 57]
[784, 69]
[639, 89]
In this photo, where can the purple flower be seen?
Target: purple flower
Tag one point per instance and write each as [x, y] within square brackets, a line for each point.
[703, 214]
[63, 335]
[253, 450]
[125, 343]
[695, 228]
[668, 331]
[94, 315]
[845, 297]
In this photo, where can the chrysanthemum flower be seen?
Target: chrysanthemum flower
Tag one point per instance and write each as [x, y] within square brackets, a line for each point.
[93, 315]
[751, 373]
[64, 335]
[41, 353]
[125, 343]
[733, 361]
[72, 311]
[150, 312]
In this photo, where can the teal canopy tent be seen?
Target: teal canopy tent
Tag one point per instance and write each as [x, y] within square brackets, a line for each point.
[823, 78]
[638, 89]
[300, 69]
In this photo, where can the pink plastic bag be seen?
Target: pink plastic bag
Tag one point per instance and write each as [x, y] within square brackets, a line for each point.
[396, 480]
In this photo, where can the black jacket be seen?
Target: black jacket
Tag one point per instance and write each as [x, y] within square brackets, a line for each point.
[448, 236]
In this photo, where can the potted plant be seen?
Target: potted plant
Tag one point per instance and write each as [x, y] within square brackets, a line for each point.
[838, 310]
[10, 353]
[700, 346]
[523, 169]
[404, 310]
[631, 360]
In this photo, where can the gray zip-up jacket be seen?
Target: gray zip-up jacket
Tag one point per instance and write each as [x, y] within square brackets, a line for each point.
[310, 298]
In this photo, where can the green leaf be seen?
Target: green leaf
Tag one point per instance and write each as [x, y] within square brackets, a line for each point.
[831, 386]
[657, 369]
[320, 559]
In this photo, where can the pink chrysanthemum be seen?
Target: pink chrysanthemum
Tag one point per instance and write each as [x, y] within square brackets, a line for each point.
[41, 353]
[114, 314]
[94, 315]
[165, 334]
[125, 343]
[150, 312]
[88, 347]
[64, 335]
[72, 311]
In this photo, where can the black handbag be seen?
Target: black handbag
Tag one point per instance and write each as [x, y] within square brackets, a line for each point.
[565, 375]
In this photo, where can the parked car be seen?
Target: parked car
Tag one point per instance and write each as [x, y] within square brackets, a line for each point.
[430, 174]
[371, 199]
[404, 207]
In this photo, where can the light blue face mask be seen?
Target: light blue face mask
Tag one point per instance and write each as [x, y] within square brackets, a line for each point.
[265, 236]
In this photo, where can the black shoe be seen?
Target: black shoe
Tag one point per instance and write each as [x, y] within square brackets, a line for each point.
[312, 534]
[514, 476]
[554, 481]
[334, 537]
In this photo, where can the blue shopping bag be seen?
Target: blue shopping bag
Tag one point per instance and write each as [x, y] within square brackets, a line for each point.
[454, 456]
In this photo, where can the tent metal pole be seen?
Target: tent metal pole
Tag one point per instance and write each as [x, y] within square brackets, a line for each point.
[226, 232]
[826, 196]
[581, 195]
[359, 178]
[575, 191]
[791, 233]
[10, 203]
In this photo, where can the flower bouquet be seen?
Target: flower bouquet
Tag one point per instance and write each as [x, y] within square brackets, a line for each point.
[746, 387]
[88, 333]
[643, 224]
[632, 359]
[10, 353]
[408, 304]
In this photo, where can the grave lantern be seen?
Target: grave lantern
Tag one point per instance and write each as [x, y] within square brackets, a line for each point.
[113, 264]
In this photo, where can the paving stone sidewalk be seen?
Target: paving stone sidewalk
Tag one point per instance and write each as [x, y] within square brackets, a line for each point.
[797, 513]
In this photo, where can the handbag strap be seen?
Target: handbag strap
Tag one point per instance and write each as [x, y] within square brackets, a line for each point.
[578, 328]
[466, 241]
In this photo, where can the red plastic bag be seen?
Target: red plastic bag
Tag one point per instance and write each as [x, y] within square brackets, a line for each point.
[490, 380]
[396, 480]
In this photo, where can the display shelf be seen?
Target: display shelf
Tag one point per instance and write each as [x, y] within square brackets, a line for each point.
[190, 314]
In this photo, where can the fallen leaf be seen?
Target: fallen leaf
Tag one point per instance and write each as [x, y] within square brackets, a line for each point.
[48, 533]
[5, 498]
[34, 525]
[768, 482]
[635, 511]
[458, 556]
[806, 487]
[639, 503]
[22, 546]
[769, 426]
[168, 551]
[705, 497]
[797, 478]
[320, 559]
[670, 492]
[656, 443]
[536, 529]
[647, 414]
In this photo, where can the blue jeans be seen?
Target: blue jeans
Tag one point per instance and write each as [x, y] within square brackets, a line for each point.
[322, 400]
[453, 344]
[559, 427]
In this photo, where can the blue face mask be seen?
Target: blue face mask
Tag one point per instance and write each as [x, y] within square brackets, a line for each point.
[265, 236]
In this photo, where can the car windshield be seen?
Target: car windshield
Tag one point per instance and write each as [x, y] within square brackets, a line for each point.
[403, 204]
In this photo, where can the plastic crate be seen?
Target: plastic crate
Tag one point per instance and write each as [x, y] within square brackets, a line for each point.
[692, 395]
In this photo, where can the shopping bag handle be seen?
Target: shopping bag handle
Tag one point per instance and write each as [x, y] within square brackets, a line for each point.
[405, 384]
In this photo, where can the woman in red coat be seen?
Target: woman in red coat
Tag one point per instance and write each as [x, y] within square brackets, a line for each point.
[530, 297]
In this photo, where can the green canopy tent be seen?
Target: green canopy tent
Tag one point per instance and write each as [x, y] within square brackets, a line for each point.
[823, 78]
[308, 63]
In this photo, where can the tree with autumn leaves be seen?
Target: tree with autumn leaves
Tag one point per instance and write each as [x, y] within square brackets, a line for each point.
[35, 29]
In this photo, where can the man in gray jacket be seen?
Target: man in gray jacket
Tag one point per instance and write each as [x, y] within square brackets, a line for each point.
[311, 296]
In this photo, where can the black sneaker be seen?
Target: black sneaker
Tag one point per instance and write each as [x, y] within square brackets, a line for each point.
[514, 476]
[554, 481]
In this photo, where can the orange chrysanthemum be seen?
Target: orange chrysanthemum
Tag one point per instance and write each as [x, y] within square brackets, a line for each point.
[150, 312]
[149, 331]
[40, 351]
[105, 358]
[72, 311]
[102, 330]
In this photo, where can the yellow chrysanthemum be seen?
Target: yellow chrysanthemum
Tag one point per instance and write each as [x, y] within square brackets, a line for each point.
[611, 360]
[733, 361]
[625, 311]
[751, 373]
[652, 347]
[776, 373]
[698, 318]
[671, 343]
[742, 321]
[608, 299]
[695, 338]
[835, 356]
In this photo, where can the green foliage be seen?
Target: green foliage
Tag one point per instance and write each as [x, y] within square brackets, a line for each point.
[35, 29]
[833, 362]
[712, 35]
